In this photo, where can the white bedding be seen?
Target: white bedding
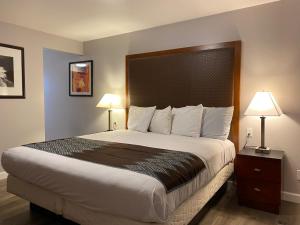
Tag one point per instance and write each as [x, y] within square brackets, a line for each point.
[117, 191]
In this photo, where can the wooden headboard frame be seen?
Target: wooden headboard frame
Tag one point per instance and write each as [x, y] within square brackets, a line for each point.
[140, 74]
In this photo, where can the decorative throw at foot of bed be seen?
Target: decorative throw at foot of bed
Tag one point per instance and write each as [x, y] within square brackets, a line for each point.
[171, 168]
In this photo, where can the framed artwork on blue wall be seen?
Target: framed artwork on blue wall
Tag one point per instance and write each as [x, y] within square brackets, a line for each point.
[81, 78]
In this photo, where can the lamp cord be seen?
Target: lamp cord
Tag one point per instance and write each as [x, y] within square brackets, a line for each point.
[246, 142]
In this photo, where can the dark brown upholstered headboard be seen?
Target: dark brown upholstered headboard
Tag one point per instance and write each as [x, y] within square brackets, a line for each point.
[208, 74]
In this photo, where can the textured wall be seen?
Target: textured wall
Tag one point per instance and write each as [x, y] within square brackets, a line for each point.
[22, 120]
[270, 61]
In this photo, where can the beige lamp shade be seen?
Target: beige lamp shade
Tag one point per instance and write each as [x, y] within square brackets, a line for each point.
[263, 104]
[110, 101]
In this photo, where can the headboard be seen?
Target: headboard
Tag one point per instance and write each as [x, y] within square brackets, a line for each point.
[207, 74]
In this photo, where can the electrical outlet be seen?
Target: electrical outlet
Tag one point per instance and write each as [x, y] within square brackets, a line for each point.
[249, 132]
[115, 126]
[298, 175]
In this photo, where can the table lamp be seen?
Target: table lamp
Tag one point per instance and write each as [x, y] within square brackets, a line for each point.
[109, 101]
[263, 104]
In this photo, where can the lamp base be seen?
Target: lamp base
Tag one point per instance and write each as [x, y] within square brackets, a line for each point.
[264, 150]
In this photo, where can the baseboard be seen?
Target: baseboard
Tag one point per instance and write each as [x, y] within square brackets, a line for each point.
[3, 175]
[290, 197]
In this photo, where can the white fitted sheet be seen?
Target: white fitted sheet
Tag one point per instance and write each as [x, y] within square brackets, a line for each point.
[117, 191]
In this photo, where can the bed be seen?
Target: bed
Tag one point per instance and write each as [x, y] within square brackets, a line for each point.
[89, 193]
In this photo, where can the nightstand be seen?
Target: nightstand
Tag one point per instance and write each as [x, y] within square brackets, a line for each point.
[259, 179]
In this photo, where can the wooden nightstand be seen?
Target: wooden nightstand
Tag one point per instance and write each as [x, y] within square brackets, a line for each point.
[259, 179]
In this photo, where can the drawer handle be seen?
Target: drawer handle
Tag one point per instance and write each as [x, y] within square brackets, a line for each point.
[257, 189]
[256, 170]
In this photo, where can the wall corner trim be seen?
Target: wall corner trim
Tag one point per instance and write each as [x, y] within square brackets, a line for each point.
[3, 175]
[290, 197]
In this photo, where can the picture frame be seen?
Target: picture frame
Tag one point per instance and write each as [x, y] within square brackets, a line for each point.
[12, 71]
[81, 78]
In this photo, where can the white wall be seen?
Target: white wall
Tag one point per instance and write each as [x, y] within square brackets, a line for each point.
[270, 61]
[22, 120]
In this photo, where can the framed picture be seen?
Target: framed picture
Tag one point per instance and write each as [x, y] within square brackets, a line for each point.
[81, 78]
[12, 74]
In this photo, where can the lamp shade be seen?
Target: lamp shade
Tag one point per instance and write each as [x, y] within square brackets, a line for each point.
[263, 104]
[110, 101]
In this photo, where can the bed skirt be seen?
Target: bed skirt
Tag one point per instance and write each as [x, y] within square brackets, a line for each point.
[183, 215]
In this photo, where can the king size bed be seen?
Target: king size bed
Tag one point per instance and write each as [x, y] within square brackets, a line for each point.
[137, 178]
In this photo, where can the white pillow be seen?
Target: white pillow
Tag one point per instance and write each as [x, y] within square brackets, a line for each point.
[162, 121]
[216, 122]
[140, 117]
[187, 121]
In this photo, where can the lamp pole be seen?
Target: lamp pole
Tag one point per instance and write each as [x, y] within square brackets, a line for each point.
[109, 115]
[262, 132]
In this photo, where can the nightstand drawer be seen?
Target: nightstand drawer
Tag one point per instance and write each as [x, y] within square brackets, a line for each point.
[258, 169]
[268, 193]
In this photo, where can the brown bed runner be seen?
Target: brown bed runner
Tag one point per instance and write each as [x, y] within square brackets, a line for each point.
[171, 168]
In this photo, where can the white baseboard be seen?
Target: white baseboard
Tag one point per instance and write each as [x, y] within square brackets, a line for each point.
[290, 197]
[3, 175]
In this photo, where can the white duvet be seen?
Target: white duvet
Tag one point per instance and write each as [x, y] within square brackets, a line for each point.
[118, 191]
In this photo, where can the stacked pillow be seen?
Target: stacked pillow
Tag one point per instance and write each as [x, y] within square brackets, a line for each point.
[216, 122]
[191, 121]
[140, 117]
[162, 121]
[187, 121]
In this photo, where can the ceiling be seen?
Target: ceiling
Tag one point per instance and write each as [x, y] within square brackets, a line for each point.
[91, 19]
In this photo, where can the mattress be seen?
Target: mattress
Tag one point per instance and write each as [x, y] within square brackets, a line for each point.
[81, 215]
[117, 191]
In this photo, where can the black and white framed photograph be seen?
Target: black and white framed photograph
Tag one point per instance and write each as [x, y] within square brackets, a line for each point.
[12, 74]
